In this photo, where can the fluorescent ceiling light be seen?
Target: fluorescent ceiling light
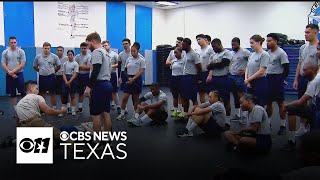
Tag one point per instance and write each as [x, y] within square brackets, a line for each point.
[167, 3]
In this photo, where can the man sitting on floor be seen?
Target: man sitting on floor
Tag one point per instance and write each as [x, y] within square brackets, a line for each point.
[257, 133]
[29, 107]
[209, 116]
[157, 110]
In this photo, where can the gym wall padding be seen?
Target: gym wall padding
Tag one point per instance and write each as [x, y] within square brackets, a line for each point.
[2, 76]
[116, 23]
[143, 27]
[28, 71]
[149, 71]
[19, 22]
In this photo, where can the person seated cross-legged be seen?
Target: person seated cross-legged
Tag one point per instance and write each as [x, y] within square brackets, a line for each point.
[157, 110]
[209, 116]
[257, 134]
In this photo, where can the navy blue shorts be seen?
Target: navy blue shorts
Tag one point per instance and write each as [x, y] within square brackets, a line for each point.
[59, 81]
[83, 82]
[302, 85]
[237, 83]
[189, 87]
[263, 142]
[13, 84]
[124, 80]
[114, 82]
[203, 85]
[100, 97]
[47, 83]
[175, 85]
[134, 88]
[222, 84]
[276, 93]
[211, 127]
[259, 88]
[66, 90]
[316, 123]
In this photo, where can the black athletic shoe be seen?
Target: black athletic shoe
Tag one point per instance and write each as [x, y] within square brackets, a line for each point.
[1, 112]
[282, 130]
[79, 110]
[69, 110]
[290, 147]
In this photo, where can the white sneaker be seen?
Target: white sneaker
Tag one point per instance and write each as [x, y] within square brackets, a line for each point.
[302, 130]
[120, 117]
[74, 113]
[60, 115]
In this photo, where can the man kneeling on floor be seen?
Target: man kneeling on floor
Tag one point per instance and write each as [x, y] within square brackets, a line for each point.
[157, 110]
[209, 116]
[257, 133]
[29, 107]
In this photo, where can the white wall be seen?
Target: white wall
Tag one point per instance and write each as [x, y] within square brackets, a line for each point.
[131, 22]
[1, 25]
[47, 23]
[226, 20]
[159, 28]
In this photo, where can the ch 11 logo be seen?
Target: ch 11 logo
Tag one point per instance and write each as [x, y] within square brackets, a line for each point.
[39, 145]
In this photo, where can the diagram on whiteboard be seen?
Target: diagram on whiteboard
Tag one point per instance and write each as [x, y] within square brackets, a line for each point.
[73, 19]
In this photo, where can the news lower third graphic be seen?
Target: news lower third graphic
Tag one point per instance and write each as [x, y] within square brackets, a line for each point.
[35, 145]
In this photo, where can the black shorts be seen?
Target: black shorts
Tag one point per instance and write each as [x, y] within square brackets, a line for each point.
[160, 116]
[301, 111]
[211, 127]
[59, 82]
[263, 141]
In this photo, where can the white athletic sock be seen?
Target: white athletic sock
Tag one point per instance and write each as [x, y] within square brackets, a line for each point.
[175, 109]
[118, 106]
[68, 105]
[189, 123]
[144, 117]
[292, 136]
[283, 122]
[122, 112]
[180, 107]
[80, 105]
[228, 120]
[136, 115]
[54, 107]
[192, 126]
[302, 125]
[73, 109]
[112, 103]
[238, 112]
[185, 114]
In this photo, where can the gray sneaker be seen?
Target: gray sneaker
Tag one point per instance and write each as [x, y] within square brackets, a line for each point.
[185, 133]
[132, 119]
[137, 122]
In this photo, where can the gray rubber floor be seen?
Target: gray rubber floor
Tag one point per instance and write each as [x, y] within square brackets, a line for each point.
[154, 151]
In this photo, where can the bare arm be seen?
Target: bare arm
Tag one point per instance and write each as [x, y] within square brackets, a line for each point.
[56, 69]
[36, 68]
[5, 67]
[202, 111]
[300, 102]
[156, 105]
[74, 76]
[141, 71]
[18, 68]
[252, 128]
[258, 74]
[64, 77]
[50, 111]
[84, 67]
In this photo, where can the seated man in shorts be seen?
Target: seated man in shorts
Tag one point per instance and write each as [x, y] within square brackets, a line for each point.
[257, 134]
[157, 110]
[209, 116]
[29, 107]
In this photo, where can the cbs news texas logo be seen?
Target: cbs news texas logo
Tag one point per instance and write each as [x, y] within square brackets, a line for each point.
[34, 145]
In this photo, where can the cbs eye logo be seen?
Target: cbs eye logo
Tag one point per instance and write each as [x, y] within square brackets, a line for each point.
[39, 145]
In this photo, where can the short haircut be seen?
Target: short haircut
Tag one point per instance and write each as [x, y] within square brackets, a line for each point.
[274, 36]
[83, 44]
[311, 64]
[208, 38]
[126, 39]
[155, 85]
[46, 44]
[236, 39]
[70, 51]
[180, 38]
[136, 45]
[216, 93]
[201, 36]
[250, 97]
[106, 41]
[29, 83]
[216, 41]
[178, 49]
[313, 26]
[12, 37]
[94, 36]
[187, 41]
[60, 47]
[258, 38]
